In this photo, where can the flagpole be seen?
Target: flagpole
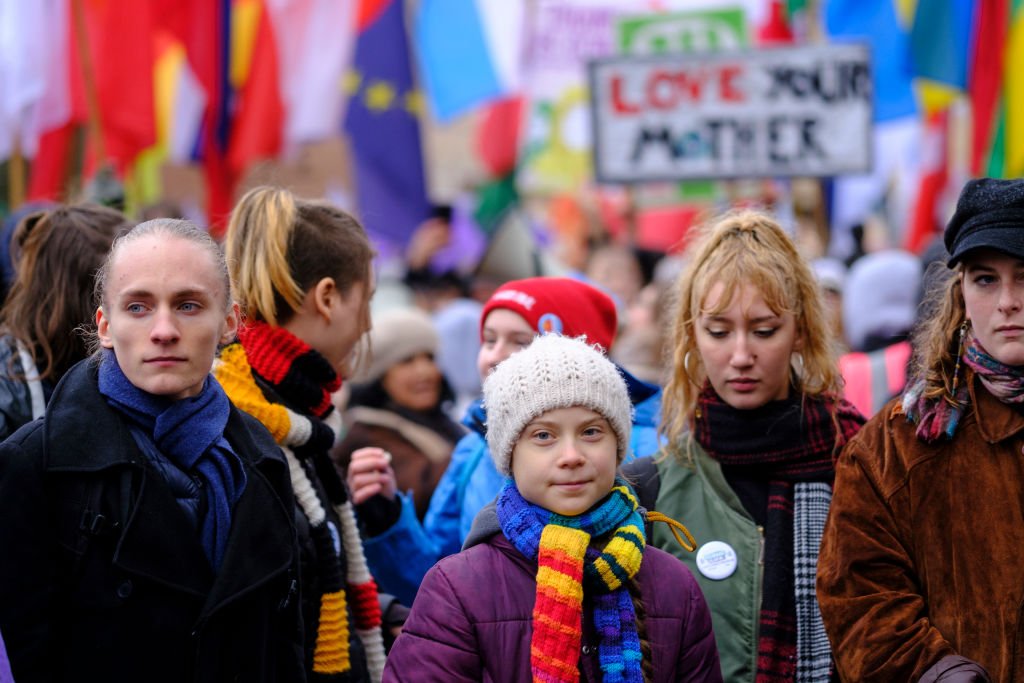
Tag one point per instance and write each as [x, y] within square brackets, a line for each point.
[15, 175]
[89, 81]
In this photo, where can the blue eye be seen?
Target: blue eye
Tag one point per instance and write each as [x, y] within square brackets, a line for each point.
[135, 309]
[189, 307]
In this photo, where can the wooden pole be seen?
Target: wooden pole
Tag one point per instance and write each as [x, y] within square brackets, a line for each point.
[92, 100]
[15, 176]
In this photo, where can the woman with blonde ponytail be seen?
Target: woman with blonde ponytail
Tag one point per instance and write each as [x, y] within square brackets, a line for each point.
[303, 275]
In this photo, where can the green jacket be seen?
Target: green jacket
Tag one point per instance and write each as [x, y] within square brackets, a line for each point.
[691, 489]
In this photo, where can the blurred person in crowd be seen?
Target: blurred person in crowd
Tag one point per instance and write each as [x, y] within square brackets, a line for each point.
[397, 403]
[879, 310]
[615, 268]
[7, 228]
[533, 592]
[753, 417]
[517, 312]
[163, 208]
[831, 276]
[304, 279]
[919, 578]
[147, 522]
[446, 295]
[640, 345]
[50, 303]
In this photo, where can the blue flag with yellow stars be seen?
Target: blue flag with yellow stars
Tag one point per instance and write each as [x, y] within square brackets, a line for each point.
[382, 122]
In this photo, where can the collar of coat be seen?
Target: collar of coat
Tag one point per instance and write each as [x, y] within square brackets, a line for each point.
[997, 421]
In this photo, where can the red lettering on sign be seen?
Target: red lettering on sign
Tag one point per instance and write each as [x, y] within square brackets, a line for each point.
[618, 103]
[691, 84]
[660, 90]
[727, 88]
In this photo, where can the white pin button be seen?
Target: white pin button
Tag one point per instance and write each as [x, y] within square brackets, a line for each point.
[716, 560]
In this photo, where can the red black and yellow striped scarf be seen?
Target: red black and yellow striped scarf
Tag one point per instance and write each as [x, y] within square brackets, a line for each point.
[270, 361]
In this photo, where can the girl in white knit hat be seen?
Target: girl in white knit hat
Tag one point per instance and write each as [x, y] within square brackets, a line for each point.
[563, 552]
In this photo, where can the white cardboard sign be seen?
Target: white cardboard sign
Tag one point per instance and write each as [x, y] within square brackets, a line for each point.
[753, 113]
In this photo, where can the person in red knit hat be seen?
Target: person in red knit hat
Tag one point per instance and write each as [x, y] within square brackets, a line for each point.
[516, 313]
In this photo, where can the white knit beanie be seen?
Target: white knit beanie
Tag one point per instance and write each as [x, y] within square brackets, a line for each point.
[397, 334]
[552, 372]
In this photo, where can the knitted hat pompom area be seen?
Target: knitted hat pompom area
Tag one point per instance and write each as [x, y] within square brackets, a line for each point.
[552, 372]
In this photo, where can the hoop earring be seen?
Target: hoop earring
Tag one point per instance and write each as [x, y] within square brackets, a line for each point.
[686, 369]
[959, 354]
[797, 361]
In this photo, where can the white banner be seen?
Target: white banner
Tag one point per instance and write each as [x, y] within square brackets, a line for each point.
[779, 112]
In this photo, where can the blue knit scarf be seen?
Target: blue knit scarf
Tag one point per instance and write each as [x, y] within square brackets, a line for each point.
[547, 537]
[190, 432]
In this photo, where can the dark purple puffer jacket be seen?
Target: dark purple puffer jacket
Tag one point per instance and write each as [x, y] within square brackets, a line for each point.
[472, 621]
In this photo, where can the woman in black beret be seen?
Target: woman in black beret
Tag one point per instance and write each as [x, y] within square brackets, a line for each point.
[919, 577]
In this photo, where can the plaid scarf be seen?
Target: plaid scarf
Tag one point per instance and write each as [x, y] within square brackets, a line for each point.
[789, 442]
[567, 565]
[938, 417]
[304, 423]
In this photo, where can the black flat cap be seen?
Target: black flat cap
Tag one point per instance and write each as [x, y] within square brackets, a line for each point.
[989, 213]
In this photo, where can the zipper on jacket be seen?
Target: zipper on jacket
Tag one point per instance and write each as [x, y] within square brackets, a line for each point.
[760, 555]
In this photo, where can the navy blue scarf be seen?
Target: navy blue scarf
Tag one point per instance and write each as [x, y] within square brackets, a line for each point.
[190, 432]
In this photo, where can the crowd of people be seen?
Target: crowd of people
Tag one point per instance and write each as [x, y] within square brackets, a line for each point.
[222, 461]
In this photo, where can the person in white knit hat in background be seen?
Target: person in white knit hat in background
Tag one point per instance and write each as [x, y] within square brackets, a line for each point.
[562, 550]
[397, 403]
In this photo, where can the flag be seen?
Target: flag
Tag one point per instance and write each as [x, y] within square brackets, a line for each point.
[314, 47]
[258, 124]
[925, 222]
[204, 29]
[939, 49]
[1014, 93]
[180, 103]
[986, 78]
[119, 38]
[481, 65]
[34, 94]
[876, 23]
[383, 126]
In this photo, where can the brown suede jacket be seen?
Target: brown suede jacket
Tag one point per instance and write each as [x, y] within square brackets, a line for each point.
[923, 553]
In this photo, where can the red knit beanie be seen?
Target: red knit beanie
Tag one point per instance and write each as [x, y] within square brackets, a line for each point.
[558, 304]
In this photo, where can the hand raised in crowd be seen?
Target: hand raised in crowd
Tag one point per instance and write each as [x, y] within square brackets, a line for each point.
[370, 474]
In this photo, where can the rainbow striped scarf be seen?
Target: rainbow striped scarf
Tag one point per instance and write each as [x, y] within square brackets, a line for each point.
[568, 564]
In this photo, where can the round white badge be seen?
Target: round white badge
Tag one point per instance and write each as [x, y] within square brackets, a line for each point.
[716, 560]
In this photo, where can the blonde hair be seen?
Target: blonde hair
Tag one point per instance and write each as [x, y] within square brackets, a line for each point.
[744, 247]
[280, 246]
[936, 339]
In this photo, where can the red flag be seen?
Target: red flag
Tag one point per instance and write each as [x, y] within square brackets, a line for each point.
[775, 30]
[120, 40]
[50, 166]
[925, 224]
[258, 126]
[986, 75]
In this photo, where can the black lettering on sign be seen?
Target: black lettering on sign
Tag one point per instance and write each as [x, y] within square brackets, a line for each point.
[830, 83]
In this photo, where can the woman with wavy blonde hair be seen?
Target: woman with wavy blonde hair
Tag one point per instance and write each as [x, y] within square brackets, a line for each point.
[752, 418]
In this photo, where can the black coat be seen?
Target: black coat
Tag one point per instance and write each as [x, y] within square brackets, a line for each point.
[103, 578]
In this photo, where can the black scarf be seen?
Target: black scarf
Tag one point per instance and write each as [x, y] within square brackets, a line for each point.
[778, 444]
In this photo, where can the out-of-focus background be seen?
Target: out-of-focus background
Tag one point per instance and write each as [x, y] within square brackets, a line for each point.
[490, 110]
